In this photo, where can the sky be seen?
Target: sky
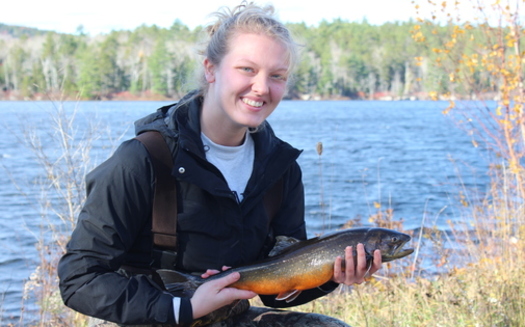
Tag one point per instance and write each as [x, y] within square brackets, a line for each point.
[103, 16]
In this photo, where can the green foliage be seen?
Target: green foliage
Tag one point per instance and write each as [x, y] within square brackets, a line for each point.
[160, 63]
[340, 59]
[111, 74]
[89, 74]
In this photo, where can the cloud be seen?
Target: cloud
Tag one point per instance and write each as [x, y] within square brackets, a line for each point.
[102, 16]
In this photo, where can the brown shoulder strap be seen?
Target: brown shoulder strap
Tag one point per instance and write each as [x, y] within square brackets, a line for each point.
[164, 214]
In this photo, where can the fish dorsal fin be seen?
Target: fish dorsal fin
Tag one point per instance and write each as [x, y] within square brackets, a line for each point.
[288, 296]
[285, 244]
[282, 243]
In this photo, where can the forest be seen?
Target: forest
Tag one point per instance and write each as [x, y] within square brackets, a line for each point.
[340, 60]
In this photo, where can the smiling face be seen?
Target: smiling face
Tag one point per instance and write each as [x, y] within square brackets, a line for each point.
[244, 88]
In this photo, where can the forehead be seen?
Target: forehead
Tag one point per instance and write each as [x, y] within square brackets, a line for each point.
[258, 47]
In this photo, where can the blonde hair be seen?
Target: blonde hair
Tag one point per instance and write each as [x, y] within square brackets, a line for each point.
[245, 18]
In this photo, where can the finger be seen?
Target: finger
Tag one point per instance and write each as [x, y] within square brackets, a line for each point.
[361, 267]
[376, 265]
[227, 280]
[210, 272]
[361, 258]
[338, 273]
[229, 293]
[224, 268]
[350, 265]
[236, 294]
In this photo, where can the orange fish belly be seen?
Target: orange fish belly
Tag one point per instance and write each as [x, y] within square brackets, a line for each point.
[278, 284]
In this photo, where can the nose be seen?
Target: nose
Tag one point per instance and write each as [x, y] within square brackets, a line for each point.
[260, 84]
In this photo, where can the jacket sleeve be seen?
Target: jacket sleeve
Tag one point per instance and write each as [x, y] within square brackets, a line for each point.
[290, 222]
[116, 212]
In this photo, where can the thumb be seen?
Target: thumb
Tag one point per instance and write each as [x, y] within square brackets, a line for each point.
[227, 280]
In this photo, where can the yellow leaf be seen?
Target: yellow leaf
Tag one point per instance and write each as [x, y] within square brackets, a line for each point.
[377, 205]
[451, 105]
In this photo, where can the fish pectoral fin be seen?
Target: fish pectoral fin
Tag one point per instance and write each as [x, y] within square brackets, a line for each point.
[288, 296]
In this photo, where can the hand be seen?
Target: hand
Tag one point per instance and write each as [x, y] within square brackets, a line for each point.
[349, 273]
[215, 294]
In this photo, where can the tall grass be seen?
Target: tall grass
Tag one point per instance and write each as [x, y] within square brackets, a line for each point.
[486, 292]
[64, 158]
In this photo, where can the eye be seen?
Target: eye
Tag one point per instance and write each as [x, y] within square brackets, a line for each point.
[280, 77]
[246, 69]
[395, 239]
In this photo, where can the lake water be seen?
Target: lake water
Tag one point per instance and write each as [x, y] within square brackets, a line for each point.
[402, 155]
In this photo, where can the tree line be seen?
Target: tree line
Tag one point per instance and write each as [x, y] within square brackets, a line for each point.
[340, 59]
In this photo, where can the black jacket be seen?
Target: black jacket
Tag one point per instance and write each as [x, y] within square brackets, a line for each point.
[114, 226]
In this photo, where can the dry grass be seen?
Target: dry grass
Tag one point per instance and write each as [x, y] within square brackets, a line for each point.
[478, 295]
[489, 292]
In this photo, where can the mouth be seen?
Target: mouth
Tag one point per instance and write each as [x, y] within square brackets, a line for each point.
[253, 103]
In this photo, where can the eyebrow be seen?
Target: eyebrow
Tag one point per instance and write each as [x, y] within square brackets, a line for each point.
[283, 68]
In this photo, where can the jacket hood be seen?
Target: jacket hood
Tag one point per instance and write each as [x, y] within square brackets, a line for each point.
[163, 119]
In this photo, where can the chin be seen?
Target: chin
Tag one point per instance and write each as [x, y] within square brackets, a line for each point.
[255, 125]
[251, 122]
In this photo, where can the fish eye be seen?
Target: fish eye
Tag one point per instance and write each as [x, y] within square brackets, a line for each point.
[395, 239]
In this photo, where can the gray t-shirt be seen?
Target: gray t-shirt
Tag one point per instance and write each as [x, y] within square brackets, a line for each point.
[234, 162]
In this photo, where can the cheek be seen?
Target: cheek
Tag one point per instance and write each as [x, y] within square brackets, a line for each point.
[278, 91]
[235, 82]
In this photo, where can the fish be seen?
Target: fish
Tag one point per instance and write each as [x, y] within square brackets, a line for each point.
[300, 265]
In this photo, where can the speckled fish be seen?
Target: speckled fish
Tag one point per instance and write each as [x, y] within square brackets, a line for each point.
[301, 265]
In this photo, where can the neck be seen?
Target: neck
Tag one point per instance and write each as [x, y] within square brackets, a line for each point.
[219, 131]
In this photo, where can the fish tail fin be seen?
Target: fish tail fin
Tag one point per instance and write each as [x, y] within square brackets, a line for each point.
[179, 283]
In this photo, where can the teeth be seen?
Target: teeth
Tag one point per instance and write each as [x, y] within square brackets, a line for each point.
[252, 103]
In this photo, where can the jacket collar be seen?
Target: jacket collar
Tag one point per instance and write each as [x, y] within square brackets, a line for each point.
[180, 125]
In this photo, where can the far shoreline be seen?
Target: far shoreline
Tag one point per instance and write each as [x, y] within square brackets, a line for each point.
[150, 96]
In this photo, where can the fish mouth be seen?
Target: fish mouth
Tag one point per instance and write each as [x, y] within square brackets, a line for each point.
[397, 252]
[400, 253]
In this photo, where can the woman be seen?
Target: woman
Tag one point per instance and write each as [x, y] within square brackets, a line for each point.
[226, 158]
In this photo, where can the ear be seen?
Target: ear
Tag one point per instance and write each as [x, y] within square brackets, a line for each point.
[209, 70]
